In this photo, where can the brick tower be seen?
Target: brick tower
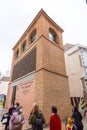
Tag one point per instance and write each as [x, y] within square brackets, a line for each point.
[38, 68]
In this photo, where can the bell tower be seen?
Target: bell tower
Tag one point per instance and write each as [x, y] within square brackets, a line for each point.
[38, 68]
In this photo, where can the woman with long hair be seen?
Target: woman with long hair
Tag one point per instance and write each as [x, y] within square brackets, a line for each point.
[36, 118]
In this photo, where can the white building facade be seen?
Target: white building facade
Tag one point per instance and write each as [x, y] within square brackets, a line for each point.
[4, 81]
[76, 69]
[83, 52]
[4, 85]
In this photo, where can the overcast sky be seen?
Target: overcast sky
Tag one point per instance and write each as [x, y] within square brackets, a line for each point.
[16, 15]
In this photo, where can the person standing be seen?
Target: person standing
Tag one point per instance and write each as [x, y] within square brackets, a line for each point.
[17, 119]
[85, 118]
[77, 119]
[11, 110]
[70, 125]
[85, 113]
[55, 121]
[36, 118]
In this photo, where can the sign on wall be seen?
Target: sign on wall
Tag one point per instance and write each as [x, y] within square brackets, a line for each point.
[25, 88]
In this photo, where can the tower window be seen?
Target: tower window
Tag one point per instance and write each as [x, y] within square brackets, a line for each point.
[17, 53]
[33, 36]
[52, 35]
[24, 46]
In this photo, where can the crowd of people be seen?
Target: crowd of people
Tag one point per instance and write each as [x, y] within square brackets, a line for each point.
[15, 118]
[37, 120]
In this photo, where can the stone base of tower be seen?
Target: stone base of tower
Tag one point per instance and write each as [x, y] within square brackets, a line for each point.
[52, 90]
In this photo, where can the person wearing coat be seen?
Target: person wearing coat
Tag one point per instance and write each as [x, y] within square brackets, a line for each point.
[55, 122]
[11, 110]
[77, 119]
[36, 118]
[17, 119]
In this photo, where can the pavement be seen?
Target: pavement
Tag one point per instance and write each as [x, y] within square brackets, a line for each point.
[27, 127]
[2, 111]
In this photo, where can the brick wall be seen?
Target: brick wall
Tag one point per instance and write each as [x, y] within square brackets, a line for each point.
[52, 89]
[51, 81]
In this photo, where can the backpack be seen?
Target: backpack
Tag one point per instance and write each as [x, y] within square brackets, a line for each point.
[39, 122]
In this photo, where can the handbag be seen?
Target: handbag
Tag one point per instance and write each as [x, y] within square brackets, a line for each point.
[5, 118]
[4, 121]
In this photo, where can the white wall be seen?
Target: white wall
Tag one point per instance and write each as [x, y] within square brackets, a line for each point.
[3, 87]
[74, 71]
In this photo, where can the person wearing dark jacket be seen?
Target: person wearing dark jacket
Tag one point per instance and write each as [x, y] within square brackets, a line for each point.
[77, 119]
[11, 110]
